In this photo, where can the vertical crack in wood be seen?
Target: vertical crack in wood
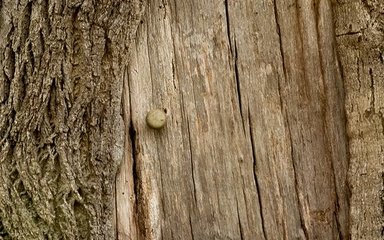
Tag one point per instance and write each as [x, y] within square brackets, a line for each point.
[135, 168]
[226, 6]
[337, 205]
[286, 117]
[322, 20]
[358, 78]
[192, 164]
[191, 227]
[277, 21]
[239, 221]
[188, 128]
[238, 85]
[255, 174]
[372, 88]
[233, 57]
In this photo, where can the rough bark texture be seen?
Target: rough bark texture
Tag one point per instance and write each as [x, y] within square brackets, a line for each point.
[61, 126]
[255, 144]
[360, 37]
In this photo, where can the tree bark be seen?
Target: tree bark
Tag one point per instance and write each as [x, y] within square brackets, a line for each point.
[61, 126]
[360, 37]
[255, 144]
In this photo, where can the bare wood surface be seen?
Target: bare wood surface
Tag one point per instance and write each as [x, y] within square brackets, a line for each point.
[254, 146]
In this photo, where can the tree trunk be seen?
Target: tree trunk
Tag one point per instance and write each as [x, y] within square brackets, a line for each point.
[255, 146]
[360, 37]
[61, 126]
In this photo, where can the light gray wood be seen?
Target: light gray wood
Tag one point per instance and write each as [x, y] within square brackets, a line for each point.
[360, 37]
[254, 146]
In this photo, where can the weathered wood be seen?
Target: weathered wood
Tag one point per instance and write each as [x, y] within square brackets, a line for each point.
[360, 37]
[254, 146]
[61, 129]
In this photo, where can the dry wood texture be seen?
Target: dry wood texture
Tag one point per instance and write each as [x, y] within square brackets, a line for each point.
[360, 37]
[255, 145]
[61, 125]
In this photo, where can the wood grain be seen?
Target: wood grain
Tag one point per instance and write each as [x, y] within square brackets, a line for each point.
[254, 146]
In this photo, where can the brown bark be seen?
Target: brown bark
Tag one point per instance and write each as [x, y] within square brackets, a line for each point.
[61, 126]
[360, 37]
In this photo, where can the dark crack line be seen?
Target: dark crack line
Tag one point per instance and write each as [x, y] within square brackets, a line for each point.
[234, 59]
[228, 24]
[337, 207]
[277, 17]
[372, 87]
[348, 33]
[324, 116]
[133, 141]
[238, 86]
[173, 73]
[132, 137]
[255, 175]
[357, 72]
[190, 225]
[192, 164]
[280, 40]
[239, 220]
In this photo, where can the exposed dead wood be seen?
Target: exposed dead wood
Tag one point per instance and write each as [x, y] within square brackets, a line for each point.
[255, 145]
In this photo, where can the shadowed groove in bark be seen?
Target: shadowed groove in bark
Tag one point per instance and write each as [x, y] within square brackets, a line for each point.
[62, 136]
[3, 232]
